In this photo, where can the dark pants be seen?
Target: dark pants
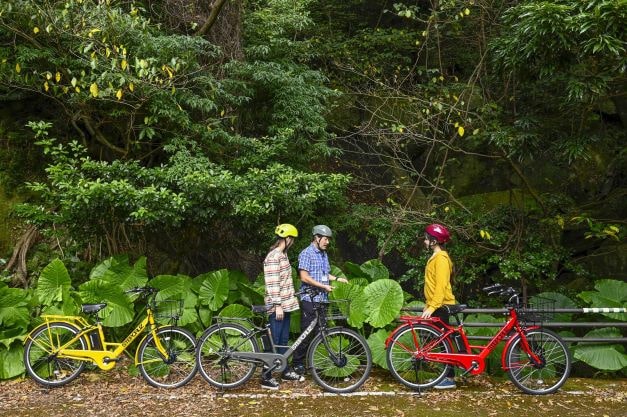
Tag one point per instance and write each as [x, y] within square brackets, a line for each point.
[442, 314]
[280, 331]
[307, 315]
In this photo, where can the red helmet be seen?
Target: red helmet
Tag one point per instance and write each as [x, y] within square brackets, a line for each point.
[438, 232]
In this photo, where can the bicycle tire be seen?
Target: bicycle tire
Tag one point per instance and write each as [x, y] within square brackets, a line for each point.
[213, 355]
[551, 374]
[416, 373]
[179, 368]
[45, 367]
[352, 364]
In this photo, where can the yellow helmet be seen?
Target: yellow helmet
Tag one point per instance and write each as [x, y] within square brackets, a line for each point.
[285, 230]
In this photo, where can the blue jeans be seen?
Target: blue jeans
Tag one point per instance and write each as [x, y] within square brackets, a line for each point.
[280, 331]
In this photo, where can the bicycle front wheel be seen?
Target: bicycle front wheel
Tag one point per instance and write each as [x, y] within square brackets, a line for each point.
[402, 356]
[547, 376]
[177, 367]
[340, 360]
[41, 359]
[215, 347]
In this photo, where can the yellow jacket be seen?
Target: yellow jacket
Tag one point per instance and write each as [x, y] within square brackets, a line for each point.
[438, 289]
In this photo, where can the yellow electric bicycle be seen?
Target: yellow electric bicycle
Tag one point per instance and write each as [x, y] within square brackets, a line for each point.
[57, 351]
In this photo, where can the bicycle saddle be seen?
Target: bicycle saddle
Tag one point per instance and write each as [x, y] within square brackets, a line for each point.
[259, 309]
[92, 308]
[455, 308]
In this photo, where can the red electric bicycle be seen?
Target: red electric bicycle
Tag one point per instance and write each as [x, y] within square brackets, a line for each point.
[420, 351]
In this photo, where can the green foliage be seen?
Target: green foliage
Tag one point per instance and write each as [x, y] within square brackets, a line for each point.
[607, 357]
[609, 293]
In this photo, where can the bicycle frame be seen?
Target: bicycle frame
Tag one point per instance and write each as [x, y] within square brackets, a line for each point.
[104, 358]
[278, 361]
[470, 362]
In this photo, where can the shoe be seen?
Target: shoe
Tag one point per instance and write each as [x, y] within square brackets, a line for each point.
[269, 384]
[299, 369]
[446, 383]
[292, 376]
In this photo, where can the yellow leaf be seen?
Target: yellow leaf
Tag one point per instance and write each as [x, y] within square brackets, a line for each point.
[48, 76]
[123, 64]
[73, 82]
[18, 68]
[77, 89]
[65, 89]
[222, 113]
[482, 233]
[35, 29]
[119, 94]
[57, 76]
[93, 89]
[46, 86]
[131, 86]
[456, 124]
[107, 52]
[466, 11]
[460, 131]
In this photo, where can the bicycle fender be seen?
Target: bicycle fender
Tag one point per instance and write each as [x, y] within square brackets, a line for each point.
[408, 323]
[142, 341]
[510, 341]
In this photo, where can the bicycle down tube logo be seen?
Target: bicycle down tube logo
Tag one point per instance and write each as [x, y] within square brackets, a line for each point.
[133, 335]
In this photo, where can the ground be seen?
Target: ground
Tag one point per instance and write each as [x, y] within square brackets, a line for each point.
[116, 393]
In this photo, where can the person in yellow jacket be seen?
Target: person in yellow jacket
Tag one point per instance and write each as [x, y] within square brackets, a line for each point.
[438, 286]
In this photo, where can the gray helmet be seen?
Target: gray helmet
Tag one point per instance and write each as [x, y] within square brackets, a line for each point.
[322, 230]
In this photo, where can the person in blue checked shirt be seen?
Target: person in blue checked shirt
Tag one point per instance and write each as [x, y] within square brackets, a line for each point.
[314, 270]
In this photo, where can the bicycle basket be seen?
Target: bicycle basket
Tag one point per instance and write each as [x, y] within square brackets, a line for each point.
[537, 310]
[337, 309]
[169, 309]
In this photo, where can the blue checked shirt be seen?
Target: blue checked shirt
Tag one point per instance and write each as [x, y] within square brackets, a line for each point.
[316, 262]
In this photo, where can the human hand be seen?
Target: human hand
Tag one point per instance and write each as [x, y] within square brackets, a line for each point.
[427, 312]
[344, 280]
[278, 312]
[327, 288]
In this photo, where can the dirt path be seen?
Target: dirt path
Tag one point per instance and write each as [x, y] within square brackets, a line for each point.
[117, 394]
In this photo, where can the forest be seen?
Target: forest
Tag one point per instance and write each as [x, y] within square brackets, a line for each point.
[162, 141]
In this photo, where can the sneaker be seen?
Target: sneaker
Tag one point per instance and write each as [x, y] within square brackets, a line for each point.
[292, 376]
[446, 383]
[269, 384]
[299, 369]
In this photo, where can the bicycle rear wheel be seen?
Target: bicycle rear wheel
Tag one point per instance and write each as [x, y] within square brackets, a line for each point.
[340, 361]
[550, 374]
[213, 355]
[406, 367]
[42, 362]
[180, 365]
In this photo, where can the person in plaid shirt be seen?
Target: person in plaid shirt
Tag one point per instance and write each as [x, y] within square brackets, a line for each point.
[280, 300]
[314, 270]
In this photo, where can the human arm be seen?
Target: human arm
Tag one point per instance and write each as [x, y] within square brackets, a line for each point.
[306, 278]
[272, 278]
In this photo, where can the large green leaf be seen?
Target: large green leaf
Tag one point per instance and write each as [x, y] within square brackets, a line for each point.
[214, 289]
[14, 311]
[375, 270]
[337, 272]
[250, 295]
[385, 300]
[119, 310]
[11, 361]
[53, 282]
[376, 341]
[353, 270]
[358, 311]
[117, 270]
[610, 293]
[171, 286]
[236, 311]
[604, 356]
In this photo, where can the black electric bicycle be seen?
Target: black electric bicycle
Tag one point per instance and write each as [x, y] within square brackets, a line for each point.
[338, 358]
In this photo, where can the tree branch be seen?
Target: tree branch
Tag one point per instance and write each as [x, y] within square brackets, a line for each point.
[213, 16]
